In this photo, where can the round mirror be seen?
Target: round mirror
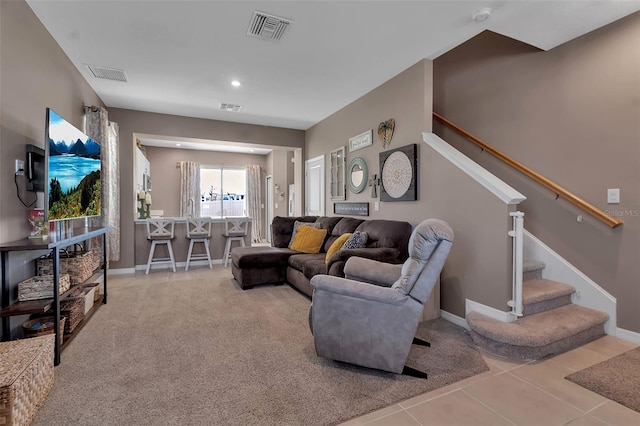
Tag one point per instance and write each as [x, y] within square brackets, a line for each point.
[357, 175]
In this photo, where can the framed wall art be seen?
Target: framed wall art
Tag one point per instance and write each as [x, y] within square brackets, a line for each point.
[353, 209]
[361, 140]
[399, 174]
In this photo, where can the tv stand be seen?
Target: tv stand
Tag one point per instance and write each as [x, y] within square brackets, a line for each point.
[56, 244]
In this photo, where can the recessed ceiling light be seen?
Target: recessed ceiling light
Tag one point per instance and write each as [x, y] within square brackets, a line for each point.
[251, 150]
[178, 144]
[235, 83]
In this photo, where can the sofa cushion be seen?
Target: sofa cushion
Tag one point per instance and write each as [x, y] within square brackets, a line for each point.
[260, 257]
[337, 245]
[344, 225]
[282, 228]
[309, 264]
[308, 239]
[388, 233]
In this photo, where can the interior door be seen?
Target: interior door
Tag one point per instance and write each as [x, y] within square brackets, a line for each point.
[269, 204]
[314, 186]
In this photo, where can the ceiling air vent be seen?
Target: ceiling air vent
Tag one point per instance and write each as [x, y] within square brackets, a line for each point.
[267, 26]
[230, 107]
[107, 73]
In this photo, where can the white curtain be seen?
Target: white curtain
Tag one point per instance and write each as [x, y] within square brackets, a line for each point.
[190, 196]
[99, 128]
[254, 201]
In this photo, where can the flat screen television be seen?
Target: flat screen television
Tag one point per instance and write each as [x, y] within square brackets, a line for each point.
[73, 171]
[36, 165]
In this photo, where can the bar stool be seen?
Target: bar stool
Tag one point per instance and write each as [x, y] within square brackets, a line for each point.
[160, 231]
[198, 231]
[234, 230]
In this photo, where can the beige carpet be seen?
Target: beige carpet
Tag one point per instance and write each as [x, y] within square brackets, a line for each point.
[202, 351]
[617, 378]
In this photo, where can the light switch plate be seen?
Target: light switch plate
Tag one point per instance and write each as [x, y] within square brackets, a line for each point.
[376, 206]
[613, 196]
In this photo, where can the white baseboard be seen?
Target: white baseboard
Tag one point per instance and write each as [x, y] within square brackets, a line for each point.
[454, 319]
[630, 336]
[471, 306]
[121, 271]
[182, 264]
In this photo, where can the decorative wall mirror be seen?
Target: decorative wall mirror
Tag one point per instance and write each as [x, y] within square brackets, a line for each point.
[357, 175]
[337, 165]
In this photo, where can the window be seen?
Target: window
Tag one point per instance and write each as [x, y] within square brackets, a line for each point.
[223, 191]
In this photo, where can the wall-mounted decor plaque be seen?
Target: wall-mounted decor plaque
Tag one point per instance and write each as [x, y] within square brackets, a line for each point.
[353, 209]
[360, 141]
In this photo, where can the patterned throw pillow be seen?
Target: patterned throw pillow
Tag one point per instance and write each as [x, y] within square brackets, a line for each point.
[298, 224]
[336, 245]
[357, 240]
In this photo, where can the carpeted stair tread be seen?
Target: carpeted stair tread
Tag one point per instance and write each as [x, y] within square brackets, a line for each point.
[529, 265]
[535, 291]
[539, 329]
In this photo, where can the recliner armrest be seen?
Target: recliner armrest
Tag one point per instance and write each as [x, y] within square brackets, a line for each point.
[382, 254]
[358, 290]
[372, 271]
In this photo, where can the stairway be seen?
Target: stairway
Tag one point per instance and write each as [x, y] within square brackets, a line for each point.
[550, 324]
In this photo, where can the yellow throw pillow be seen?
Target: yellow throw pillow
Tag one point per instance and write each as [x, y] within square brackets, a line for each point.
[308, 239]
[336, 245]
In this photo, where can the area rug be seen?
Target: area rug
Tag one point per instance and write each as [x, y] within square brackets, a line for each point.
[193, 348]
[617, 378]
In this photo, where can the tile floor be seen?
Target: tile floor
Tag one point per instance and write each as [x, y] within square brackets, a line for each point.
[516, 393]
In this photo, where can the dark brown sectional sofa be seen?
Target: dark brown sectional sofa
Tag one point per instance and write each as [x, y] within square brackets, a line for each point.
[387, 242]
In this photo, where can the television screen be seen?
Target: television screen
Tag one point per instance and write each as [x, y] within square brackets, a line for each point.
[35, 168]
[73, 171]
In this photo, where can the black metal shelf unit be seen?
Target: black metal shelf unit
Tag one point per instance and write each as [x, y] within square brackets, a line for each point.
[55, 244]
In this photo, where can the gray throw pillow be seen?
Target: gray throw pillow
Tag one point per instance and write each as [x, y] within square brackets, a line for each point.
[297, 224]
[357, 240]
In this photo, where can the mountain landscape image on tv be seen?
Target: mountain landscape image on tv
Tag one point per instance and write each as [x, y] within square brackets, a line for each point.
[73, 171]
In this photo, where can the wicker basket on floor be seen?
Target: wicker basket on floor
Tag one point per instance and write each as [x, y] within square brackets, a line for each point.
[26, 376]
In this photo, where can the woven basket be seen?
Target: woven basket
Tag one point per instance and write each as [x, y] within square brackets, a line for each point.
[73, 309]
[79, 265]
[26, 376]
[42, 326]
[41, 287]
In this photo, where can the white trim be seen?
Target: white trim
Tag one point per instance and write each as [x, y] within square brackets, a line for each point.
[121, 271]
[181, 265]
[471, 306]
[630, 336]
[461, 322]
[588, 292]
[497, 187]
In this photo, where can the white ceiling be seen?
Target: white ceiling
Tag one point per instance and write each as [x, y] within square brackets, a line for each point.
[180, 56]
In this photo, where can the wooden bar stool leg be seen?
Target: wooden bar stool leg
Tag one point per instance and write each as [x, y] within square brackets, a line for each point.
[206, 248]
[151, 252]
[173, 260]
[186, 268]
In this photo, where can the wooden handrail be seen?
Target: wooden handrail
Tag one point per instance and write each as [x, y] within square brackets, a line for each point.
[557, 189]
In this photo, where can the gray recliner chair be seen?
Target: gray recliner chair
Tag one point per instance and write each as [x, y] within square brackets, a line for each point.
[374, 326]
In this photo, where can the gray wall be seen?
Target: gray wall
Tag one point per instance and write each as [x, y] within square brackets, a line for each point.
[401, 98]
[34, 74]
[573, 115]
[165, 176]
[131, 122]
[478, 266]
